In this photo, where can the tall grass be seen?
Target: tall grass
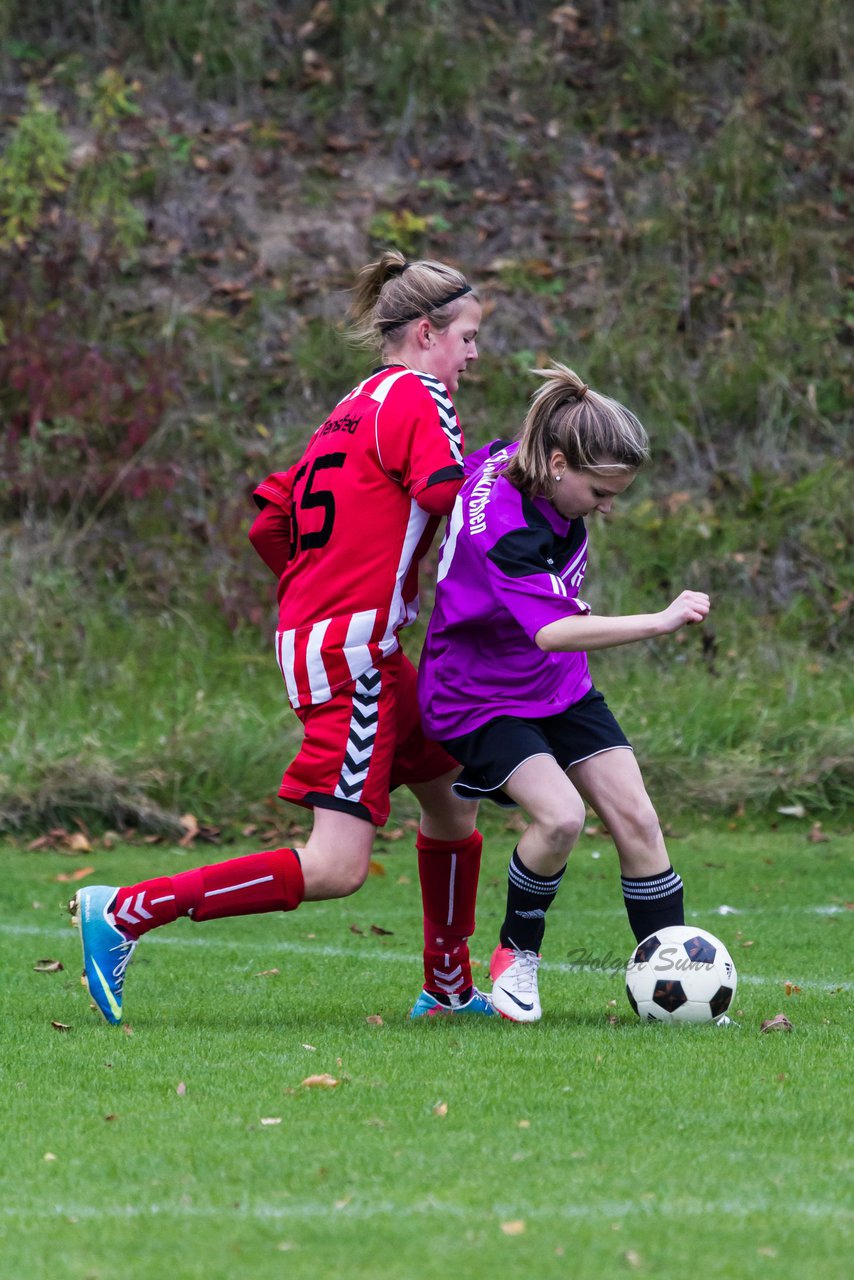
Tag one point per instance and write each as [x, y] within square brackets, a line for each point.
[653, 192]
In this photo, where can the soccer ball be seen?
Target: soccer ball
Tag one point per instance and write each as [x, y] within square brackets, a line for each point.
[680, 974]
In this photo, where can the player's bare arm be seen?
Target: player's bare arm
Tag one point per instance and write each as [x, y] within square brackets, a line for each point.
[581, 632]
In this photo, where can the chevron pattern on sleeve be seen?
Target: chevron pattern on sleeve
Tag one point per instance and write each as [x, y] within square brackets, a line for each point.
[447, 414]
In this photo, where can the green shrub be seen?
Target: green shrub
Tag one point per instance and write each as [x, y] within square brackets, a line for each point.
[33, 169]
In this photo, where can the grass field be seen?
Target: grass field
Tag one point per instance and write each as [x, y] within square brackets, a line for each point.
[590, 1145]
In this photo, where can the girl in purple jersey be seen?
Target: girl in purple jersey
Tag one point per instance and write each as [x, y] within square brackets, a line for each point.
[504, 683]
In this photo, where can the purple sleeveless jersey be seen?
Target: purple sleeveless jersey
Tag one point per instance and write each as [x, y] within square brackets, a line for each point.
[508, 566]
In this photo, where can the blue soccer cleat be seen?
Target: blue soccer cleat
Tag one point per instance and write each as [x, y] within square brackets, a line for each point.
[107, 950]
[427, 1006]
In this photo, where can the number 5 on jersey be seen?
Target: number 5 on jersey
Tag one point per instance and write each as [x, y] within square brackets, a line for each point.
[314, 496]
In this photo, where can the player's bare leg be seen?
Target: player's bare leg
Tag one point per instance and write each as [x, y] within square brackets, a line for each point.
[337, 855]
[652, 891]
[556, 813]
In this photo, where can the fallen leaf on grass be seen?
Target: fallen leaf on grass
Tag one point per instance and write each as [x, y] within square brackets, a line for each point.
[267, 973]
[778, 1023]
[791, 989]
[190, 826]
[60, 1026]
[382, 933]
[180, 1088]
[515, 1227]
[374, 1020]
[48, 966]
[633, 1258]
[440, 1109]
[68, 877]
[311, 1047]
[111, 1116]
[324, 1081]
[354, 928]
[49, 1157]
[267, 1120]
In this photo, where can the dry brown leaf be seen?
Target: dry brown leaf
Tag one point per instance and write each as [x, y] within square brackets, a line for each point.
[791, 989]
[60, 1026]
[78, 843]
[778, 1023]
[268, 973]
[354, 928]
[323, 1081]
[382, 933]
[69, 877]
[375, 868]
[374, 1020]
[515, 1227]
[48, 966]
[190, 826]
[52, 838]
[440, 1109]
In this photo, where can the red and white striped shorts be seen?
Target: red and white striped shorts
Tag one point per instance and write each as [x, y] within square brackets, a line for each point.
[362, 743]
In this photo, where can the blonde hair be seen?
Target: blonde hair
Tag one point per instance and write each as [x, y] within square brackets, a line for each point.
[392, 292]
[594, 432]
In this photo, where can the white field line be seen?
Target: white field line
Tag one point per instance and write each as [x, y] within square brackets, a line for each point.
[608, 965]
[361, 1210]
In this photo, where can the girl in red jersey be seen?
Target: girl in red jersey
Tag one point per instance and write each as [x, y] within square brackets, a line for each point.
[344, 530]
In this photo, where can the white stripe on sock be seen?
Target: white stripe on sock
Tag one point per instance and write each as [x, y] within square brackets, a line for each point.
[232, 888]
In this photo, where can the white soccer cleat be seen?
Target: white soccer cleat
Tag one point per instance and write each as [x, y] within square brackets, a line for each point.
[514, 984]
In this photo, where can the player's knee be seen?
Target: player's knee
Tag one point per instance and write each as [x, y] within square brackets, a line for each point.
[564, 826]
[326, 877]
[641, 825]
[346, 879]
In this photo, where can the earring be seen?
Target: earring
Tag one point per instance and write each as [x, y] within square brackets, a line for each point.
[558, 478]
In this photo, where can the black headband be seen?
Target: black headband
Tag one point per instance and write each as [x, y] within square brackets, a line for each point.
[387, 325]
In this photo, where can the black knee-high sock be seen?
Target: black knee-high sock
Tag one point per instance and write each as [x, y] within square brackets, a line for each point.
[529, 897]
[653, 902]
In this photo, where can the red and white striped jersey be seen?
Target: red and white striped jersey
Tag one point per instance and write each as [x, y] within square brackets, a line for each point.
[352, 519]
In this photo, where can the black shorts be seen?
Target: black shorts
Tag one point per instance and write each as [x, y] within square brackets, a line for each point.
[491, 753]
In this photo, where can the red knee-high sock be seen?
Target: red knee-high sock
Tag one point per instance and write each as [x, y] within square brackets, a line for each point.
[268, 881]
[448, 870]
